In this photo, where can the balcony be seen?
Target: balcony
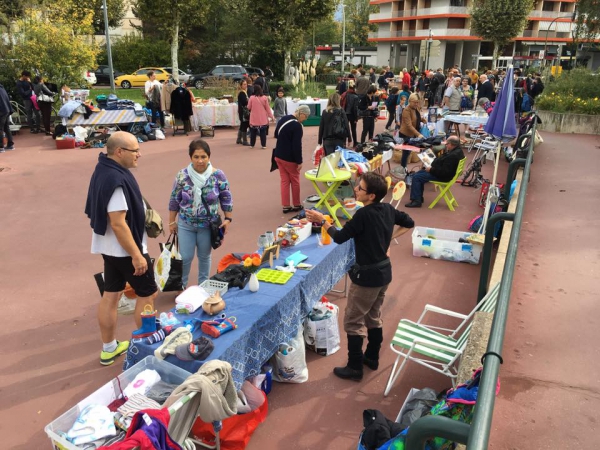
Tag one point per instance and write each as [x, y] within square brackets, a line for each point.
[420, 33]
[551, 34]
[544, 14]
[421, 12]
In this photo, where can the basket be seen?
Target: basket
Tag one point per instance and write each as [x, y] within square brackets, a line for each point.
[65, 143]
[212, 286]
[207, 131]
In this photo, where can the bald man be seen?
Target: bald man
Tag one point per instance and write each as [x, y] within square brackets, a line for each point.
[486, 89]
[443, 168]
[116, 211]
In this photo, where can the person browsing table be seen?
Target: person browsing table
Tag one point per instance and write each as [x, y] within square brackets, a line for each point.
[197, 192]
[116, 210]
[372, 229]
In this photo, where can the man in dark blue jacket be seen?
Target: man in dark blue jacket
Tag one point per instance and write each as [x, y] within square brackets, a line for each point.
[443, 168]
[6, 110]
[25, 89]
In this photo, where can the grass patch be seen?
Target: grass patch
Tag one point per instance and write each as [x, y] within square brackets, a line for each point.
[136, 94]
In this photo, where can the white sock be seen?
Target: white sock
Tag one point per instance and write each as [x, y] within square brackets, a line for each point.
[110, 347]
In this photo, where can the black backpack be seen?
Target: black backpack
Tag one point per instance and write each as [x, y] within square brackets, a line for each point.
[339, 125]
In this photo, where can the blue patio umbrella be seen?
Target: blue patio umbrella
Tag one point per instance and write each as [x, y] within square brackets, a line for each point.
[502, 125]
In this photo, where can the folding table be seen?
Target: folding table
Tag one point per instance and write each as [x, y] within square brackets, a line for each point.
[332, 182]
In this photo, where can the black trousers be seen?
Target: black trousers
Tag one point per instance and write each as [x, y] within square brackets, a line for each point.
[368, 128]
[155, 107]
[352, 121]
[46, 110]
[5, 131]
[262, 131]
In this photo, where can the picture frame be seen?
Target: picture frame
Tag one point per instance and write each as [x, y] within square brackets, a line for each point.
[270, 254]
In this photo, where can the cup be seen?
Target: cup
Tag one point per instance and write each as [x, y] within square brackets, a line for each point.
[270, 238]
[262, 242]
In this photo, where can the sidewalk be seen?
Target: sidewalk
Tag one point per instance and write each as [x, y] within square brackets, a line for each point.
[51, 340]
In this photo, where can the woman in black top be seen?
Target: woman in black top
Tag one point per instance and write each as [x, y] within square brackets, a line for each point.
[243, 113]
[333, 118]
[368, 112]
[45, 107]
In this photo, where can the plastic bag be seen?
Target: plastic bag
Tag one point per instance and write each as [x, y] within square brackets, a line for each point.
[321, 331]
[318, 154]
[159, 135]
[417, 405]
[162, 268]
[237, 430]
[289, 363]
[81, 133]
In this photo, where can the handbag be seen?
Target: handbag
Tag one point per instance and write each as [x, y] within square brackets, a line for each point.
[216, 232]
[174, 271]
[45, 98]
[153, 222]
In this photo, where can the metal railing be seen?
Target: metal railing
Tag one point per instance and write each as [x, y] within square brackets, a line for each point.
[476, 435]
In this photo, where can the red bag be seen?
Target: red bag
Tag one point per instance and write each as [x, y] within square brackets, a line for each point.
[237, 430]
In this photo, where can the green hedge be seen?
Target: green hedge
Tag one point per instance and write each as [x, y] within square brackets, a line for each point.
[575, 91]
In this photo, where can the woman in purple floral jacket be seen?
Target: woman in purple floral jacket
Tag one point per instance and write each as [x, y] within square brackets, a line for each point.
[198, 180]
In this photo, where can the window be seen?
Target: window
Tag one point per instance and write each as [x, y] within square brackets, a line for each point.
[217, 71]
[142, 72]
[456, 22]
[458, 3]
[548, 6]
[425, 24]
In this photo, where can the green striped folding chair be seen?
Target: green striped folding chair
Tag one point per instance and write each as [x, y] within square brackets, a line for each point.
[436, 348]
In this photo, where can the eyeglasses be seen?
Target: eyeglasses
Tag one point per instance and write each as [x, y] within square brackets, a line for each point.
[137, 150]
[360, 188]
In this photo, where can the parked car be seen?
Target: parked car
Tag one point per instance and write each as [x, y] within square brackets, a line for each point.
[252, 70]
[103, 74]
[89, 78]
[183, 76]
[140, 76]
[235, 73]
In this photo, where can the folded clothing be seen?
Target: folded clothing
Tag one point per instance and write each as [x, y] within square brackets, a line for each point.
[142, 383]
[191, 299]
[136, 403]
[93, 423]
[160, 391]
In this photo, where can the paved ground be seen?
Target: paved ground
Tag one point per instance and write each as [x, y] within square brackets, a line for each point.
[51, 340]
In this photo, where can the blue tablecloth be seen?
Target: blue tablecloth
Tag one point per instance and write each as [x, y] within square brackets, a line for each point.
[268, 317]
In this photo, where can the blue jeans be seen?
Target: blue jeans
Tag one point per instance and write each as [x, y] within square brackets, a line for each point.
[191, 240]
[418, 181]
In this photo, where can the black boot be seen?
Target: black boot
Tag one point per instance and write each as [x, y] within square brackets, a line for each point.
[239, 137]
[244, 139]
[371, 358]
[353, 370]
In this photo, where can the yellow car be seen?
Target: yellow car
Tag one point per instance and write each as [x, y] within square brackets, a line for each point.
[140, 76]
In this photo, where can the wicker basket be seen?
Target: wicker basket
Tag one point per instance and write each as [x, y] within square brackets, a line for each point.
[212, 286]
[207, 131]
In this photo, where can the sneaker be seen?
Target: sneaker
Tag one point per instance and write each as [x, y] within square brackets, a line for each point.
[107, 358]
[10, 147]
[2, 150]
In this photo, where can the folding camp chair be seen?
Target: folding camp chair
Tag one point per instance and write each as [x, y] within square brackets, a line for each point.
[446, 192]
[436, 348]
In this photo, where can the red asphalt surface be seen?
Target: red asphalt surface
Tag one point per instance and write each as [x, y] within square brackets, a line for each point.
[550, 377]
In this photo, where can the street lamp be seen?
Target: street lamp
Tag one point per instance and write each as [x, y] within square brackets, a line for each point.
[108, 52]
[343, 37]
[572, 17]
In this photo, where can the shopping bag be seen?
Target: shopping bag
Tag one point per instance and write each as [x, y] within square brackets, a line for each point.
[289, 363]
[168, 270]
[237, 430]
[321, 331]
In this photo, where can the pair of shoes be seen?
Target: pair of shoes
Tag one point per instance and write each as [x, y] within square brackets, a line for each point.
[297, 208]
[9, 148]
[287, 209]
[263, 147]
[2, 150]
[107, 358]
[414, 204]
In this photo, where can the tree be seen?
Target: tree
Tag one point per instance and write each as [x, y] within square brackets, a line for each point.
[131, 52]
[587, 27]
[357, 22]
[51, 49]
[173, 19]
[499, 21]
[324, 31]
[284, 23]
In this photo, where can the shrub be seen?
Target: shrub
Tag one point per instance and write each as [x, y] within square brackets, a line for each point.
[133, 51]
[575, 91]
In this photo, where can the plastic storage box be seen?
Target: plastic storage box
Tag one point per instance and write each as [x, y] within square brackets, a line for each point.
[66, 143]
[444, 244]
[168, 372]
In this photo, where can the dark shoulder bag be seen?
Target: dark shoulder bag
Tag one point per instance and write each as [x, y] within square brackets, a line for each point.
[216, 232]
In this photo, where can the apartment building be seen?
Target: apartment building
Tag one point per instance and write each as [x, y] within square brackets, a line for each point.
[437, 33]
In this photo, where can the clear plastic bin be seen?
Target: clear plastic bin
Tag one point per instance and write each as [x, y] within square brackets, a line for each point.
[168, 372]
[436, 243]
